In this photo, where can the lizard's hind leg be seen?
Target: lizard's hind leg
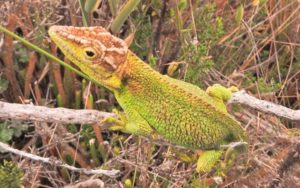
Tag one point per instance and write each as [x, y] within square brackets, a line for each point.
[207, 160]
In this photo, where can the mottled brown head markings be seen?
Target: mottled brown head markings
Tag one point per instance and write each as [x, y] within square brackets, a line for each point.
[99, 47]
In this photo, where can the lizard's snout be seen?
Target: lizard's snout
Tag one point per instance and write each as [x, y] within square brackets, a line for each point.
[52, 30]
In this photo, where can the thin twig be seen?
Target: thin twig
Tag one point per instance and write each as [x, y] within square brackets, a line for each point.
[110, 173]
[157, 33]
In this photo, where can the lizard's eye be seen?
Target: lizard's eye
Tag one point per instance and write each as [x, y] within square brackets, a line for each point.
[90, 53]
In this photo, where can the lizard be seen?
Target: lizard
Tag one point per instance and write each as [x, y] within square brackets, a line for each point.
[154, 105]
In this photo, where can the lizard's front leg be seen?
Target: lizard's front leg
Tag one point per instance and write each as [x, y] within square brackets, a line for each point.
[130, 122]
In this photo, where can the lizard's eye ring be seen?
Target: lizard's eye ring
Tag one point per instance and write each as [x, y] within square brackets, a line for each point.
[90, 53]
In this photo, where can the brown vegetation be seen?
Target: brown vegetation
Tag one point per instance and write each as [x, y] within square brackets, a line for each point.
[250, 44]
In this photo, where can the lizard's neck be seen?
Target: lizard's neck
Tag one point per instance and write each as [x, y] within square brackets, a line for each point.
[138, 77]
[138, 71]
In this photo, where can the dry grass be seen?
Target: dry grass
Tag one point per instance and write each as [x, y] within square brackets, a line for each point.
[260, 54]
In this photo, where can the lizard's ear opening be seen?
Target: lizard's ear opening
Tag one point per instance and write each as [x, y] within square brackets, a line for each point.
[90, 53]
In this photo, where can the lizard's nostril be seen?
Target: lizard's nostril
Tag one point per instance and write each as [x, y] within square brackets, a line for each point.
[55, 29]
[52, 30]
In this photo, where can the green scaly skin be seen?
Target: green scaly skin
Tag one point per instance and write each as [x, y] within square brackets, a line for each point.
[179, 112]
[159, 106]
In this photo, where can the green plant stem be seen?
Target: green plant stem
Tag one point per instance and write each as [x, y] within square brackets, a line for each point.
[113, 4]
[59, 100]
[102, 152]
[94, 152]
[91, 5]
[84, 14]
[77, 99]
[38, 49]
[123, 15]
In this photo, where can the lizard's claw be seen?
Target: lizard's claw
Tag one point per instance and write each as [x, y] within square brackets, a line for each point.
[233, 149]
[233, 89]
[120, 115]
[231, 154]
[116, 124]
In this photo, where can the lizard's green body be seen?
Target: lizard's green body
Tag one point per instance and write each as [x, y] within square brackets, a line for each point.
[154, 104]
[179, 112]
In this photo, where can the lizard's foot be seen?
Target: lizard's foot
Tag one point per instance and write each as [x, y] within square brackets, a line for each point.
[220, 94]
[208, 160]
[116, 124]
[231, 154]
[135, 125]
[233, 89]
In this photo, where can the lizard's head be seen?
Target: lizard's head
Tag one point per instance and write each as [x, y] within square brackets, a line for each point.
[94, 50]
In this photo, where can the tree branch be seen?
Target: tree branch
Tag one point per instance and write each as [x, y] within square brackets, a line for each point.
[46, 114]
[242, 97]
[111, 173]
[66, 116]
